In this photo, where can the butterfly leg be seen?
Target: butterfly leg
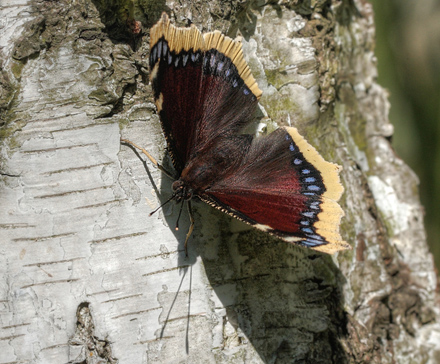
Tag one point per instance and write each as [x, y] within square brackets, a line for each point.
[150, 157]
[191, 227]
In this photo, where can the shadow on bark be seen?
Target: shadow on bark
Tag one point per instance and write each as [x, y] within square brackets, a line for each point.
[285, 299]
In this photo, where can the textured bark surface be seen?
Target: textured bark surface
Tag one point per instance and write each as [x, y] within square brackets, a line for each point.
[87, 276]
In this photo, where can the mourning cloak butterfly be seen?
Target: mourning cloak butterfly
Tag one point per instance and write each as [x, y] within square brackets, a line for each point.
[205, 95]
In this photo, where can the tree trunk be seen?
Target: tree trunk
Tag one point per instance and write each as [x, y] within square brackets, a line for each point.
[87, 276]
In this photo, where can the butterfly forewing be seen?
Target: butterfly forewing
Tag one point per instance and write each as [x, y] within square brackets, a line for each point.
[200, 93]
[176, 76]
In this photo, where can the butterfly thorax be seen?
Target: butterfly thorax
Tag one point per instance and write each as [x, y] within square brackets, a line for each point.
[200, 174]
[211, 164]
[181, 191]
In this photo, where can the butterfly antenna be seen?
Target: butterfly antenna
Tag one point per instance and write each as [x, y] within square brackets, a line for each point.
[155, 210]
[180, 213]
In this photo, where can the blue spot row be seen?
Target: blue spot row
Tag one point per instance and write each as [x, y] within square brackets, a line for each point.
[314, 205]
[164, 48]
[309, 214]
[312, 242]
[214, 62]
[313, 188]
[159, 50]
[316, 237]
[223, 66]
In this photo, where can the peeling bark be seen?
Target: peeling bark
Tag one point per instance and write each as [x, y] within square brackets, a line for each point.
[87, 276]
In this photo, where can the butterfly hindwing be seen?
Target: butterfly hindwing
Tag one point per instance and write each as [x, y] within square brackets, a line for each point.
[284, 187]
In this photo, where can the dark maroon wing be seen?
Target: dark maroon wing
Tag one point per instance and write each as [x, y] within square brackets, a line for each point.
[176, 62]
[202, 87]
[284, 187]
[230, 92]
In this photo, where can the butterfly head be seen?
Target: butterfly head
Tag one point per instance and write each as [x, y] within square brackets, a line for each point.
[181, 191]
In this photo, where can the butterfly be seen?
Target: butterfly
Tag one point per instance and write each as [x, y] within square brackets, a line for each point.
[205, 96]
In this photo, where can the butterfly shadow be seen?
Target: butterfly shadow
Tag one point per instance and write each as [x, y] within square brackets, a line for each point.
[168, 209]
[166, 205]
[175, 214]
[286, 300]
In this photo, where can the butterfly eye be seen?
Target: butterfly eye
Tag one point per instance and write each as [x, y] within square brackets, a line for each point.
[176, 185]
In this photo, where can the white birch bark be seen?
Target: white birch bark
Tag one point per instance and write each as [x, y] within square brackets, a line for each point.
[87, 276]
